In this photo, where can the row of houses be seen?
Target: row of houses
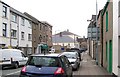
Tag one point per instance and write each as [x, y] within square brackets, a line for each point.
[67, 40]
[22, 31]
[104, 39]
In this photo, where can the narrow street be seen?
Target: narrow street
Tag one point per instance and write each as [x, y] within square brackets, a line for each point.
[88, 67]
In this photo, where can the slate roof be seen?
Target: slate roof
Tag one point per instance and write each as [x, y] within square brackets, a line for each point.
[63, 39]
[66, 33]
[19, 13]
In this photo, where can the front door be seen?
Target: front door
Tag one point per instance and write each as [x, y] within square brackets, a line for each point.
[110, 57]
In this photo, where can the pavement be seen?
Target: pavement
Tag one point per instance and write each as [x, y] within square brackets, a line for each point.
[89, 68]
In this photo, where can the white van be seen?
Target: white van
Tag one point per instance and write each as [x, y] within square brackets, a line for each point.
[12, 57]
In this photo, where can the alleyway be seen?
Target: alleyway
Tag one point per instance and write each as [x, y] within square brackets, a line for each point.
[88, 67]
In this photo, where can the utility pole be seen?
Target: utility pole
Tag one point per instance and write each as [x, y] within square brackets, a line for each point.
[96, 35]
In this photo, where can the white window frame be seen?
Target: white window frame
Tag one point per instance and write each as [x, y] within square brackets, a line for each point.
[4, 29]
[13, 33]
[4, 11]
[22, 35]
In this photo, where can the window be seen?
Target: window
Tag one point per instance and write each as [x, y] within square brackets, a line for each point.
[22, 21]
[22, 35]
[44, 28]
[13, 33]
[106, 21]
[14, 18]
[4, 29]
[4, 11]
[23, 55]
[119, 8]
[44, 61]
[65, 61]
[40, 38]
[29, 37]
[30, 23]
[40, 27]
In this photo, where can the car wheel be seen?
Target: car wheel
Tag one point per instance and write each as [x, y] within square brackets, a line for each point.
[71, 76]
[16, 65]
[2, 68]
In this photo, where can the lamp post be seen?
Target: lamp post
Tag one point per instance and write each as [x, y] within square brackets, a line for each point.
[96, 35]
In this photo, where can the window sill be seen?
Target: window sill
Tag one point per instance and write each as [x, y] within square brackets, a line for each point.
[5, 17]
[14, 21]
[29, 40]
[14, 37]
[22, 25]
[22, 39]
[30, 27]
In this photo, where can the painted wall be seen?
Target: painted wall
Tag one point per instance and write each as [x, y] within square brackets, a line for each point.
[4, 40]
[115, 37]
[27, 30]
[14, 26]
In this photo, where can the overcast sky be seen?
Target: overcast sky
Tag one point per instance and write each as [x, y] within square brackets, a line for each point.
[61, 14]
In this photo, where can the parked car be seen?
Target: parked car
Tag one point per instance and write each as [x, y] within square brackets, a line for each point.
[75, 50]
[83, 49]
[49, 65]
[73, 58]
[12, 57]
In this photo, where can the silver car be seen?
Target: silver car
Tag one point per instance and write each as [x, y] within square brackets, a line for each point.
[73, 58]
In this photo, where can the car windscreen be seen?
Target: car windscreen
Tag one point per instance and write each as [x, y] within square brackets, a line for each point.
[70, 55]
[43, 61]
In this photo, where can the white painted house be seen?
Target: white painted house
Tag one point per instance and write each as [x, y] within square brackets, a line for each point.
[15, 29]
[66, 38]
[116, 37]
[4, 25]
[21, 31]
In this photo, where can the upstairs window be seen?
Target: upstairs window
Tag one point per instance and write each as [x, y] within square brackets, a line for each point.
[23, 21]
[29, 37]
[4, 29]
[13, 33]
[4, 11]
[14, 18]
[106, 21]
[22, 35]
[119, 8]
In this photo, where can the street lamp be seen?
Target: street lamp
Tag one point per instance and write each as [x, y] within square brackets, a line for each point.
[96, 35]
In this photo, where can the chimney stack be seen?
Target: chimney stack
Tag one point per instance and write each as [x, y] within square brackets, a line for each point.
[67, 30]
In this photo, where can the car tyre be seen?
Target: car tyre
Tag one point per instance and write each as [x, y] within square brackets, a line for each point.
[16, 65]
[71, 75]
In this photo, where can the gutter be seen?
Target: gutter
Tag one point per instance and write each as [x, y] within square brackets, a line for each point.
[105, 7]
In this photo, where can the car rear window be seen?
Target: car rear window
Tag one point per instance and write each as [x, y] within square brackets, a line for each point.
[44, 61]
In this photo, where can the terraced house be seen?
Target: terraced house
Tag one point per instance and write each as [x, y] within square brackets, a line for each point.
[116, 37]
[5, 25]
[108, 36]
[22, 31]
[108, 22]
[42, 33]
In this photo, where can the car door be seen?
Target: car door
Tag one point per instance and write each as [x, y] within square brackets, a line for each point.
[67, 65]
[78, 58]
[24, 59]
